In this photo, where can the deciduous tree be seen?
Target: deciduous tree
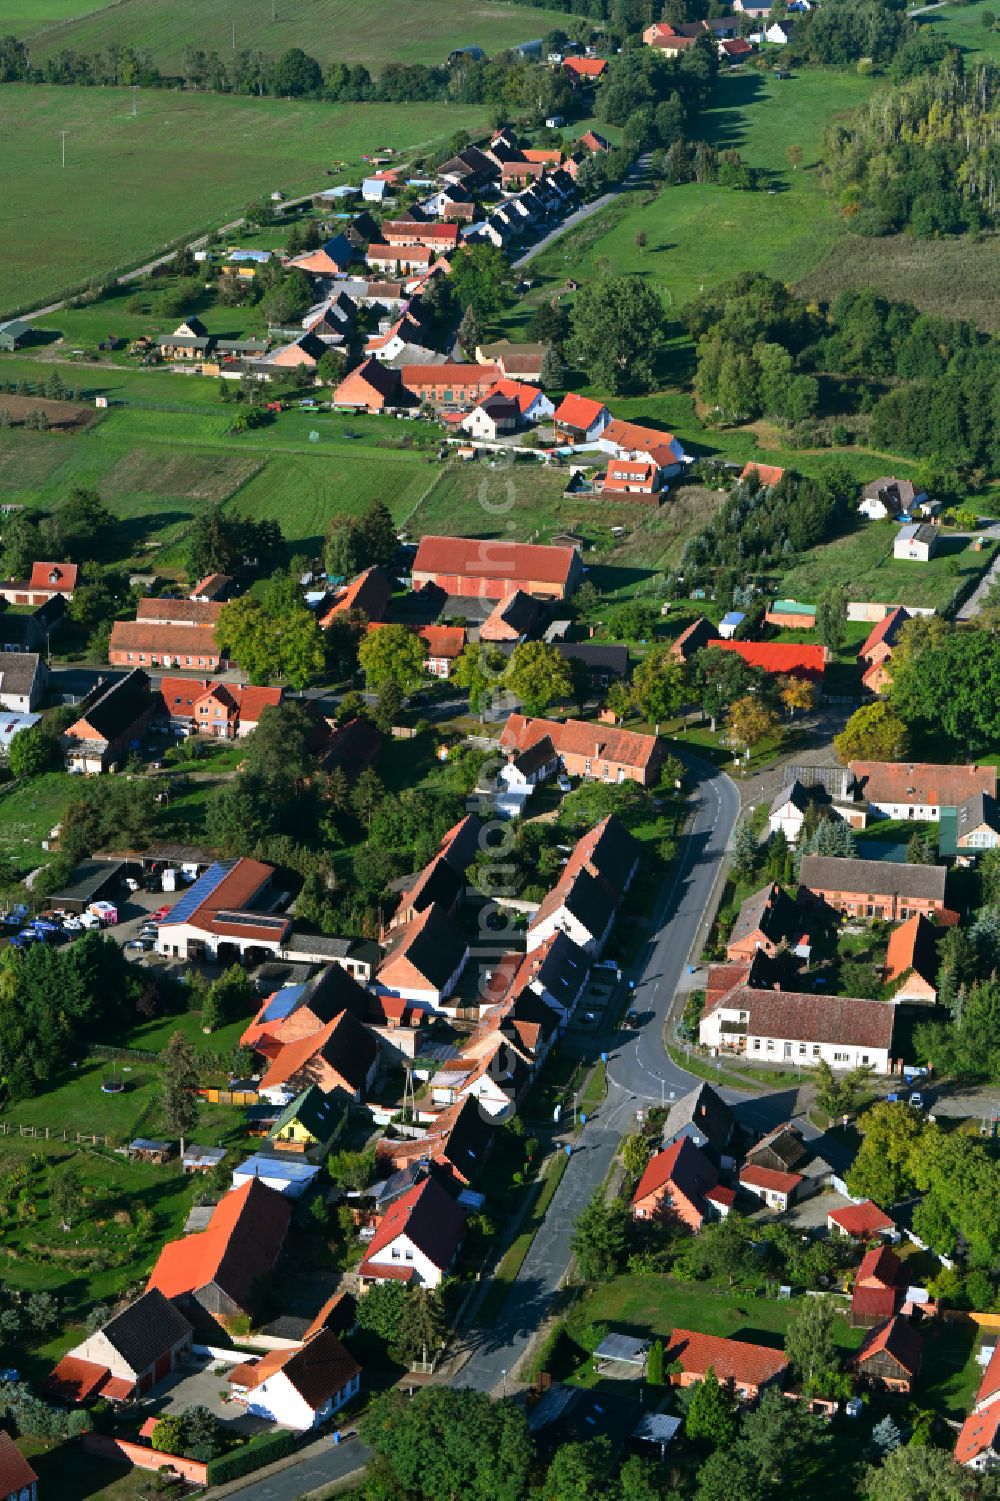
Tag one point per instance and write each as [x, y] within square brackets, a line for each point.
[538, 675]
[394, 655]
[617, 331]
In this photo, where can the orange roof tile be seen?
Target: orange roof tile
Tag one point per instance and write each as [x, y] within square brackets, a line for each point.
[60, 577]
[731, 1359]
[578, 412]
[865, 1218]
[769, 1178]
[767, 474]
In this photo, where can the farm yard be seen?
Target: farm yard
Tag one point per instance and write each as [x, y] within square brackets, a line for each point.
[207, 155]
[372, 33]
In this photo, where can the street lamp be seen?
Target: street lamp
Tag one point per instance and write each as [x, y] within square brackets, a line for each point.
[503, 1375]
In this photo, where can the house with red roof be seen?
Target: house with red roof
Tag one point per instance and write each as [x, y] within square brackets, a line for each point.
[584, 900]
[861, 1221]
[487, 568]
[919, 789]
[747, 1367]
[224, 915]
[369, 592]
[598, 752]
[424, 960]
[650, 445]
[227, 711]
[680, 1185]
[450, 387]
[877, 1286]
[531, 401]
[417, 1240]
[437, 237]
[776, 1188]
[790, 1026]
[876, 653]
[579, 419]
[911, 962]
[370, 387]
[636, 478]
[780, 658]
[766, 475]
[126, 1356]
[766, 920]
[298, 1388]
[890, 1356]
[442, 879]
[341, 1055]
[978, 1446]
[593, 142]
[584, 69]
[47, 580]
[18, 1481]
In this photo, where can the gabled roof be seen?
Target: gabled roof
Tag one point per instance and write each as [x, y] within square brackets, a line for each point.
[766, 474]
[178, 612]
[431, 946]
[18, 671]
[683, 1168]
[769, 1178]
[881, 1267]
[578, 412]
[912, 947]
[585, 67]
[116, 710]
[429, 1217]
[731, 1359]
[639, 439]
[75, 1380]
[896, 1338]
[516, 562]
[804, 1017]
[146, 1329]
[601, 742]
[873, 877]
[516, 615]
[885, 631]
[979, 1434]
[706, 1111]
[770, 911]
[16, 1473]
[318, 1369]
[242, 1242]
[779, 657]
[517, 391]
[921, 782]
[313, 1110]
[865, 1218]
[343, 1045]
[62, 577]
[699, 634]
[978, 811]
[226, 887]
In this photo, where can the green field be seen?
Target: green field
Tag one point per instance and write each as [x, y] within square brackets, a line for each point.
[373, 32]
[963, 26]
[863, 562]
[699, 234]
[186, 162]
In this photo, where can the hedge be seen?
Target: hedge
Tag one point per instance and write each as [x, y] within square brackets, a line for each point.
[253, 1455]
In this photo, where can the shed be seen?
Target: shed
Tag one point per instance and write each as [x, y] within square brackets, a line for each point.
[290, 1178]
[621, 1350]
[730, 624]
[14, 333]
[656, 1428]
[144, 1149]
[202, 1159]
[90, 880]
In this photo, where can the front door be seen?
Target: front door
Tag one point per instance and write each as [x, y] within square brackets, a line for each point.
[788, 1050]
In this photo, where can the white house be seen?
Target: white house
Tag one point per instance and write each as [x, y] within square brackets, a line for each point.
[580, 908]
[425, 960]
[290, 1176]
[128, 1355]
[650, 445]
[556, 971]
[788, 811]
[779, 33]
[23, 680]
[496, 416]
[417, 1239]
[917, 541]
[298, 1388]
[919, 789]
[524, 772]
[889, 496]
[791, 1027]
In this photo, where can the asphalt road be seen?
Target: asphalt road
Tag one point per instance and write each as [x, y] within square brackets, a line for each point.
[639, 1072]
[321, 1468]
[633, 180]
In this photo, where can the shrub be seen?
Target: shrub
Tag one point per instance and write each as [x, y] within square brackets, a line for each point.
[253, 1455]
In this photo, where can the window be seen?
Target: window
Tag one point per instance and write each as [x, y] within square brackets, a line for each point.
[409, 1255]
[130, 658]
[395, 1253]
[802, 1049]
[815, 1049]
[841, 1057]
[756, 1044]
[770, 1044]
[864, 1057]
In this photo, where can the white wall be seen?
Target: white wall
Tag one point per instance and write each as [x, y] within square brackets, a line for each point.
[563, 921]
[409, 1255]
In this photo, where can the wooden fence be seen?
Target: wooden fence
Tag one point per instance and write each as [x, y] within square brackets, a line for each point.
[50, 1133]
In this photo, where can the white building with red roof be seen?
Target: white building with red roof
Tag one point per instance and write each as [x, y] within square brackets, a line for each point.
[978, 1446]
[580, 419]
[775, 1188]
[225, 915]
[298, 1388]
[748, 1366]
[417, 1240]
[860, 1221]
[651, 445]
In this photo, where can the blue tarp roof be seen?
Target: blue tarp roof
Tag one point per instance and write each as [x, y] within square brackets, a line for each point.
[261, 1166]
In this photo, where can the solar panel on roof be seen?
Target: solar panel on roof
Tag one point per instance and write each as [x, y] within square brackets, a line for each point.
[251, 920]
[283, 1003]
[199, 893]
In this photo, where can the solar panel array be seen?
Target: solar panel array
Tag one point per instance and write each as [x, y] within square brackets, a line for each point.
[199, 893]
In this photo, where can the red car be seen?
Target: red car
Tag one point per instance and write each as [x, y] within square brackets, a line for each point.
[159, 914]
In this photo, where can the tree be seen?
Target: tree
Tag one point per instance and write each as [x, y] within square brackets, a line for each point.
[330, 367]
[831, 617]
[43, 1313]
[599, 1236]
[710, 1418]
[634, 1155]
[746, 850]
[552, 373]
[796, 694]
[179, 1079]
[951, 689]
[421, 1324]
[883, 1168]
[810, 1343]
[346, 549]
[538, 675]
[379, 532]
[481, 279]
[773, 1432]
[911, 1473]
[395, 655]
[875, 732]
[886, 1436]
[32, 751]
[839, 1093]
[274, 639]
[79, 527]
[66, 1197]
[297, 75]
[442, 1443]
[660, 685]
[281, 747]
[617, 332]
[382, 1312]
[470, 332]
[479, 670]
[750, 722]
[654, 1364]
[727, 1474]
[578, 1471]
[719, 678]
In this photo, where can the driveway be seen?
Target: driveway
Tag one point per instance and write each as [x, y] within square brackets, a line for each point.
[579, 215]
[200, 1384]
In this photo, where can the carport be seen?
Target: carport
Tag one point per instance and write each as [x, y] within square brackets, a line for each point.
[91, 880]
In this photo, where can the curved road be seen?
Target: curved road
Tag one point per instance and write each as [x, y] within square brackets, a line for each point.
[638, 1072]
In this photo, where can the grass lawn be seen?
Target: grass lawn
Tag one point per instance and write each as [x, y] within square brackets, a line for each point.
[29, 812]
[963, 26]
[190, 161]
[374, 32]
[863, 562]
[67, 1471]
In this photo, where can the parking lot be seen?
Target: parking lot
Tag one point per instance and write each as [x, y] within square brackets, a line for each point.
[201, 1382]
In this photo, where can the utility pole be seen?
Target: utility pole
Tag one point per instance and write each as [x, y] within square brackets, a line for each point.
[64, 134]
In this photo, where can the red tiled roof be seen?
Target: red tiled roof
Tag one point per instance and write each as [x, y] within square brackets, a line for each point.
[577, 737]
[344, 1045]
[720, 980]
[880, 1266]
[922, 782]
[801, 1017]
[15, 1472]
[769, 1178]
[178, 611]
[586, 67]
[578, 411]
[518, 562]
[738, 46]
[237, 887]
[897, 1338]
[768, 474]
[865, 1218]
[75, 1380]
[60, 577]
[632, 435]
[990, 1384]
[885, 630]
[721, 1195]
[242, 1242]
[630, 474]
[779, 656]
[518, 391]
[454, 374]
[370, 591]
[447, 233]
[429, 1216]
[731, 1359]
[911, 947]
[318, 1369]
[594, 142]
[873, 1302]
[682, 1166]
[443, 640]
[117, 1388]
[979, 1433]
[413, 254]
[165, 640]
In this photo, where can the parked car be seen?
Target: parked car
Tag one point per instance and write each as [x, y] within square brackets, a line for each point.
[563, 783]
[160, 914]
[72, 924]
[106, 911]
[917, 1100]
[145, 944]
[89, 920]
